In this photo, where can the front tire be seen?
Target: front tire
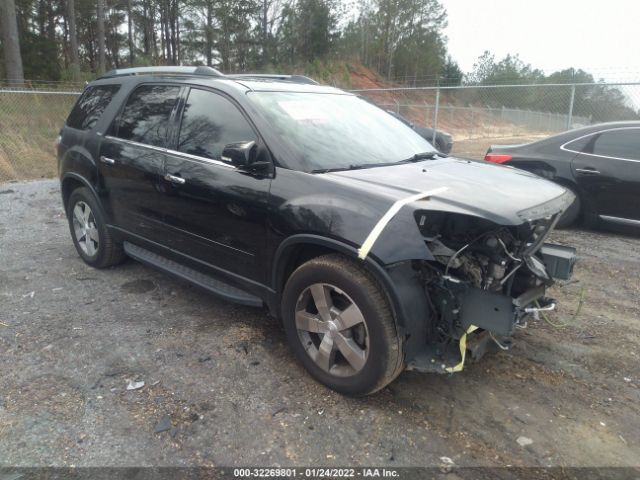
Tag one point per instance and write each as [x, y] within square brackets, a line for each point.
[340, 326]
[89, 232]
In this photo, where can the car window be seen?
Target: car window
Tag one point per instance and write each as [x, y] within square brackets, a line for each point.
[210, 122]
[145, 117]
[580, 144]
[90, 106]
[624, 143]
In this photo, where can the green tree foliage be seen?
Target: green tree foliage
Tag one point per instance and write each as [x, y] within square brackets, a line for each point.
[401, 39]
[452, 75]
[598, 103]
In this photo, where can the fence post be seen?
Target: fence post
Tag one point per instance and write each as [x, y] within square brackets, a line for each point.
[570, 115]
[397, 106]
[435, 115]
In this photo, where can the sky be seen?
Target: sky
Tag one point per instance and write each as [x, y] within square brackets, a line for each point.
[601, 37]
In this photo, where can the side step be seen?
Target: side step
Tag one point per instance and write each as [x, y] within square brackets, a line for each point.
[213, 285]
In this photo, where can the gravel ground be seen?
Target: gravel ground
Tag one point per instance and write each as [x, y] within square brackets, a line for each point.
[225, 389]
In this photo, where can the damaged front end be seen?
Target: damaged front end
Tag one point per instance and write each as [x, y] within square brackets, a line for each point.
[484, 281]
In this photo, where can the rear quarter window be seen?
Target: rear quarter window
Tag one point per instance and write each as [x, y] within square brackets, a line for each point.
[580, 144]
[91, 106]
[145, 117]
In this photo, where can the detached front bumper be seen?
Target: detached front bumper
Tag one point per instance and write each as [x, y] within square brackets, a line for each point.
[484, 316]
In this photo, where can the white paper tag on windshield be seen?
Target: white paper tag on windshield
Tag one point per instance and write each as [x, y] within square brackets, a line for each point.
[301, 110]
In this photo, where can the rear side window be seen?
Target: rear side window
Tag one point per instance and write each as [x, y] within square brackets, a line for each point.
[623, 144]
[210, 122]
[145, 117]
[580, 144]
[90, 106]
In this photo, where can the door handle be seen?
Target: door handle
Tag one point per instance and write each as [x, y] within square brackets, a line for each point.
[588, 171]
[107, 160]
[174, 179]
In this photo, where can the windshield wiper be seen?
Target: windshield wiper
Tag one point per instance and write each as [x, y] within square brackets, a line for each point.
[422, 156]
[415, 158]
[357, 166]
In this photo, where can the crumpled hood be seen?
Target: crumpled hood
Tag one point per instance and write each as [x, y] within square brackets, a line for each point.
[497, 193]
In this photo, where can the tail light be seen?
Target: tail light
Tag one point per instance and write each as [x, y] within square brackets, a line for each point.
[497, 157]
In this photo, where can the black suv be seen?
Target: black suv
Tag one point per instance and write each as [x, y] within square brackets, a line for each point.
[377, 252]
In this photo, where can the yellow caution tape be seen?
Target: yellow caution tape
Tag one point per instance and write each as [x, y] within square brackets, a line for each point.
[386, 218]
[463, 351]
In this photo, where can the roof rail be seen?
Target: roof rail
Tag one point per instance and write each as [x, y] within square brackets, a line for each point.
[168, 70]
[275, 76]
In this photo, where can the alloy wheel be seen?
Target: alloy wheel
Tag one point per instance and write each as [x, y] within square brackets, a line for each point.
[85, 229]
[332, 329]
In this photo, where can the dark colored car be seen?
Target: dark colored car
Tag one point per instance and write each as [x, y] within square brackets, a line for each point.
[600, 164]
[443, 140]
[377, 253]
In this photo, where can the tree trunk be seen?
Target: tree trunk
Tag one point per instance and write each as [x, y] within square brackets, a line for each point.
[173, 25]
[177, 47]
[42, 17]
[101, 40]
[209, 34]
[265, 11]
[73, 40]
[51, 23]
[114, 45]
[146, 40]
[130, 33]
[11, 42]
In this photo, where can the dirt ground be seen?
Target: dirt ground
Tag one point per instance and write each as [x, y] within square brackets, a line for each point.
[223, 386]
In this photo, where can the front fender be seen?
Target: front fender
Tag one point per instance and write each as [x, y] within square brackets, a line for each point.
[400, 282]
[347, 216]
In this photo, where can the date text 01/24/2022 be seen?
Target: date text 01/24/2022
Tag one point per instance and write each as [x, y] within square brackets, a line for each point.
[315, 472]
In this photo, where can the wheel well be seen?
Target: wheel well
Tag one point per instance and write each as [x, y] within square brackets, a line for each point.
[68, 186]
[300, 254]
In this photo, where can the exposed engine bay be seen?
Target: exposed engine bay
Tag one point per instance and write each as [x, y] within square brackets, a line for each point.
[486, 277]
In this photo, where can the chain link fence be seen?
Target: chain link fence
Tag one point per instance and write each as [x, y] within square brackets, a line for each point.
[30, 119]
[476, 116]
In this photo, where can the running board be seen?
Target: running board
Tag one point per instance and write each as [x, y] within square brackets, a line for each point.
[213, 285]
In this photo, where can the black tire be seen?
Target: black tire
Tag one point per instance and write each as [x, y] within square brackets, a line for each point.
[571, 214]
[108, 252]
[384, 359]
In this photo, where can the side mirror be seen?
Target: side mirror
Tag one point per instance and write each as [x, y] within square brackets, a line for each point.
[240, 154]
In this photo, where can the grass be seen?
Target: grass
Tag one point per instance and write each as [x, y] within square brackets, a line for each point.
[29, 124]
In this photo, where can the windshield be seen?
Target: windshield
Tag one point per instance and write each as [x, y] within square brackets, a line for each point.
[334, 131]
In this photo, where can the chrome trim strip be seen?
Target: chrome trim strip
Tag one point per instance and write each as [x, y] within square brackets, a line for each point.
[625, 221]
[136, 144]
[168, 151]
[188, 156]
[562, 147]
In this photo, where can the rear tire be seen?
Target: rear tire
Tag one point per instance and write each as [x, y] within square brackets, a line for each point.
[89, 232]
[331, 305]
[571, 214]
